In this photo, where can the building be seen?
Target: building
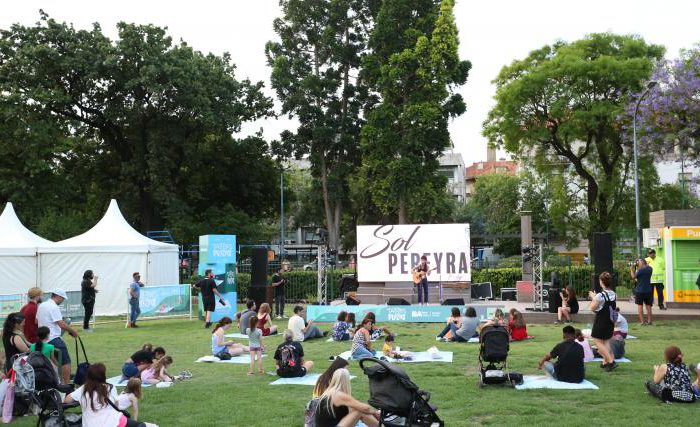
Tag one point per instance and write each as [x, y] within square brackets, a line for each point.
[452, 168]
[490, 166]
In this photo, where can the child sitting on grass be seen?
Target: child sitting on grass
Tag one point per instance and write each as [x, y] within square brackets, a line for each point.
[517, 326]
[390, 349]
[583, 342]
[340, 328]
[254, 345]
[129, 398]
[158, 371]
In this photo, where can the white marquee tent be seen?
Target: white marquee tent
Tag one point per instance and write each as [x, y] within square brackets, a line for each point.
[113, 250]
[18, 253]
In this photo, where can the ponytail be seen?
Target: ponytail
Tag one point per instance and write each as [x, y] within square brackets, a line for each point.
[223, 322]
[38, 345]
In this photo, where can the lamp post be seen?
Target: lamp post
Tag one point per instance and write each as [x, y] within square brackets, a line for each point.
[637, 212]
[281, 216]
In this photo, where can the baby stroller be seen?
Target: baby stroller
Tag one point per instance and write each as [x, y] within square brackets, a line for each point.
[398, 398]
[494, 342]
[37, 383]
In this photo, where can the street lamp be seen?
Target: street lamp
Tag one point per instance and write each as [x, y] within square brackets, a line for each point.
[281, 216]
[637, 212]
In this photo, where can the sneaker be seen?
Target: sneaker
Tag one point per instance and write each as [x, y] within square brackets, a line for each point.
[278, 317]
[88, 331]
[134, 325]
[663, 308]
[207, 325]
[557, 322]
[438, 338]
[611, 366]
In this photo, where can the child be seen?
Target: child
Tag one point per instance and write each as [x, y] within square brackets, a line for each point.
[499, 318]
[255, 345]
[583, 342]
[129, 398]
[517, 327]
[350, 320]
[696, 385]
[390, 349]
[157, 372]
[340, 329]
[43, 346]
[621, 326]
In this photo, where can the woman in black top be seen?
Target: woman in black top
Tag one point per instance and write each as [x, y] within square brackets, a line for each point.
[603, 305]
[12, 338]
[87, 296]
[569, 305]
[337, 407]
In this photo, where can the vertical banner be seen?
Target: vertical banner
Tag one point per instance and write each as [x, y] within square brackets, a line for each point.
[387, 253]
[226, 285]
[215, 252]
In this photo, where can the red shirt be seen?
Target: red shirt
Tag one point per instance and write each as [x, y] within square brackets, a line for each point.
[30, 326]
[517, 334]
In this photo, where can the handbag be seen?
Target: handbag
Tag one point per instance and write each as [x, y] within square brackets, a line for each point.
[9, 401]
[82, 368]
[223, 355]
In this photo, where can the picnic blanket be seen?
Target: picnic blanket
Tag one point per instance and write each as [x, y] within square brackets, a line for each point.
[598, 359]
[118, 382]
[242, 359]
[418, 357]
[539, 381]
[236, 335]
[308, 379]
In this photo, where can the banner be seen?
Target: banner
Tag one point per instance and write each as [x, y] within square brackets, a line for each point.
[387, 253]
[10, 304]
[395, 313]
[169, 300]
[221, 310]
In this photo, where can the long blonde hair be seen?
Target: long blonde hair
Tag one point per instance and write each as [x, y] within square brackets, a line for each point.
[340, 382]
[163, 362]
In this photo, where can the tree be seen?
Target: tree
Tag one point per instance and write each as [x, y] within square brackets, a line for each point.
[413, 67]
[315, 66]
[565, 104]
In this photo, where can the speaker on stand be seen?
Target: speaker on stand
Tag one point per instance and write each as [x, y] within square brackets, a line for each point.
[602, 259]
[259, 290]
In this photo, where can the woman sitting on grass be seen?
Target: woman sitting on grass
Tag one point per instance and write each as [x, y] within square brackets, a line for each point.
[340, 329]
[362, 343]
[337, 407]
[264, 322]
[158, 372]
[218, 342]
[375, 331]
[452, 324]
[325, 378]
[671, 381]
[129, 398]
[569, 305]
[350, 320]
[517, 326]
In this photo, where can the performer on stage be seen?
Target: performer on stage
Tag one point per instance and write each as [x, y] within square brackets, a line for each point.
[420, 279]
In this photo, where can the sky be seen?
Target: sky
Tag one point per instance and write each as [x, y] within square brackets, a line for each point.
[492, 34]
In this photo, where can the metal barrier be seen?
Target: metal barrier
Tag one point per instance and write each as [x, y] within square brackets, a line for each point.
[157, 302]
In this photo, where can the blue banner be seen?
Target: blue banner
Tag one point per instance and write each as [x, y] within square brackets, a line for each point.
[215, 251]
[159, 301]
[10, 304]
[395, 313]
[221, 310]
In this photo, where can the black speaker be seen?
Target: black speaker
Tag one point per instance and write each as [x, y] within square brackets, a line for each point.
[350, 300]
[509, 294]
[554, 300]
[259, 294]
[602, 252]
[453, 301]
[397, 301]
[258, 268]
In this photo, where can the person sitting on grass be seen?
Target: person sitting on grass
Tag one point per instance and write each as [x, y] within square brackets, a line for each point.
[303, 331]
[12, 338]
[42, 345]
[158, 372]
[218, 342]
[138, 362]
[361, 347]
[325, 378]
[264, 322]
[290, 358]
[337, 407]
[255, 343]
[451, 325]
[466, 328]
[616, 346]
[497, 320]
[340, 332]
[583, 342]
[671, 382]
[569, 305]
[390, 350]
[696, 385]
[243, 318]
[569, 366]
[158, 352]
[375, 331]
[350, 320]
[621, 325]
[129, 398]
[516, 326]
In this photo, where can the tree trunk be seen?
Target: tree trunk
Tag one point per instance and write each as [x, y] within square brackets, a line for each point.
[331, 224]
[403, 214]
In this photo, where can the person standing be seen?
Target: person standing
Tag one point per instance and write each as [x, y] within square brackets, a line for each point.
[207, 288]
[89, 290]
[422, 270]
[279, 282]
[603, 304]
[643, 292]
[657, 276]
[134, 295]
[49, 315]
[29, 312]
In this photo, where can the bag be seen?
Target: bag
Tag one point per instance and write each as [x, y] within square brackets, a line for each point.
[9, 401]
[54, 420]
[116, 408]
[310, 412]
[611, 309]
[3, 390]
[287, 360]
[81, 369]
[223, 355]
[515, 378]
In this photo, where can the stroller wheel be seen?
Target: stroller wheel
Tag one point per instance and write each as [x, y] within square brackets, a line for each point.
[481, 383]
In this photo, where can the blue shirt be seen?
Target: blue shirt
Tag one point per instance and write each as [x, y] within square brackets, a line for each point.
[644, 280]
[135, 290]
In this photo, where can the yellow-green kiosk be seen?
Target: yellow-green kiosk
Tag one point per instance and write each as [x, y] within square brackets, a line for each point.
[680, 249]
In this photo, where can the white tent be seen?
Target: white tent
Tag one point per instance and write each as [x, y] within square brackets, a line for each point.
[113, 250]
[18, 257]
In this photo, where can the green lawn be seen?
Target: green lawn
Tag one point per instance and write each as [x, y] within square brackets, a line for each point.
[222, 395]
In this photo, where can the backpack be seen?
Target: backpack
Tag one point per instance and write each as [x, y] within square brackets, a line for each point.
[613, 313]
[287, 360]
[310, 412]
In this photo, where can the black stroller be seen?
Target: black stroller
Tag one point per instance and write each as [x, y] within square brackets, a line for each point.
[37, 384]
[398, 398]
[494, 342]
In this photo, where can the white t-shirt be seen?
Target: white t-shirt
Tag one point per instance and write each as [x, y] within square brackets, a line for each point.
[47, 315]
[611, 296]
[124, 400]
[296, 325]
[105, 416]
[621, 324]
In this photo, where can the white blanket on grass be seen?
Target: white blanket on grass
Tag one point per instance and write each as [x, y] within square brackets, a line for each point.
[598, 359]
[308, 379]
[237, 335]
[418, 357]
[117, 382]
[242, 359]
[539, 381]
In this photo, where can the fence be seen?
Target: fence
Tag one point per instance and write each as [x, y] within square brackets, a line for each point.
[301, 285]
[163, 301]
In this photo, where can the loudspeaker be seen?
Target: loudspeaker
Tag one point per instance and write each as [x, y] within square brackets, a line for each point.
[397, 301]
[350, 300]
[258, 268]
[554, 300]
[509, 294]
[260, 294]
[602, 252]
[453, 301]
[482, 291]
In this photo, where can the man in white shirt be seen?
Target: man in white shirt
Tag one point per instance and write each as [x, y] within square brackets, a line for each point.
[49, 315]
[301, 330]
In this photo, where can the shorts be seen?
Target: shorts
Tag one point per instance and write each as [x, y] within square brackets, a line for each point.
[129, 370]
[645, 298]
[254, 349]
[209, 304]
[292, 373]
[62, 349]
[620, 334]
[265, 331]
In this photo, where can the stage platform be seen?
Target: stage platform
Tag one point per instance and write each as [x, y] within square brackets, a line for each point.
[434, 313]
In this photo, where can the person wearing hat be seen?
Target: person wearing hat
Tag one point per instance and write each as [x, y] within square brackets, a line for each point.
[49, 315]
[29, 312]
[134, 294]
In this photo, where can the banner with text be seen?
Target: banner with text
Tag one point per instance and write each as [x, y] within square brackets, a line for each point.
[387, 253]
[395, 313]
[160, 301]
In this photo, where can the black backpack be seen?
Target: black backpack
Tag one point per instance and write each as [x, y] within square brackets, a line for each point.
[45, 376]
[287, 359]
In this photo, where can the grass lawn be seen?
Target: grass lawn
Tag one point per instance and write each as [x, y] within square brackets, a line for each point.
[223, 395]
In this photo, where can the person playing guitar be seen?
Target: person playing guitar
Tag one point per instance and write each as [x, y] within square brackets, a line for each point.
[420, 279]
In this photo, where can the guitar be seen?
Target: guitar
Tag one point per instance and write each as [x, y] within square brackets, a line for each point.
[418, 276]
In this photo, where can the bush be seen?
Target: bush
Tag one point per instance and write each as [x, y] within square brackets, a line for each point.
[300, 284]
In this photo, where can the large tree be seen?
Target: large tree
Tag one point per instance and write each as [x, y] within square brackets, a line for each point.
[146, 120]
[315, 69]
[413, 69]
[565, 103]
